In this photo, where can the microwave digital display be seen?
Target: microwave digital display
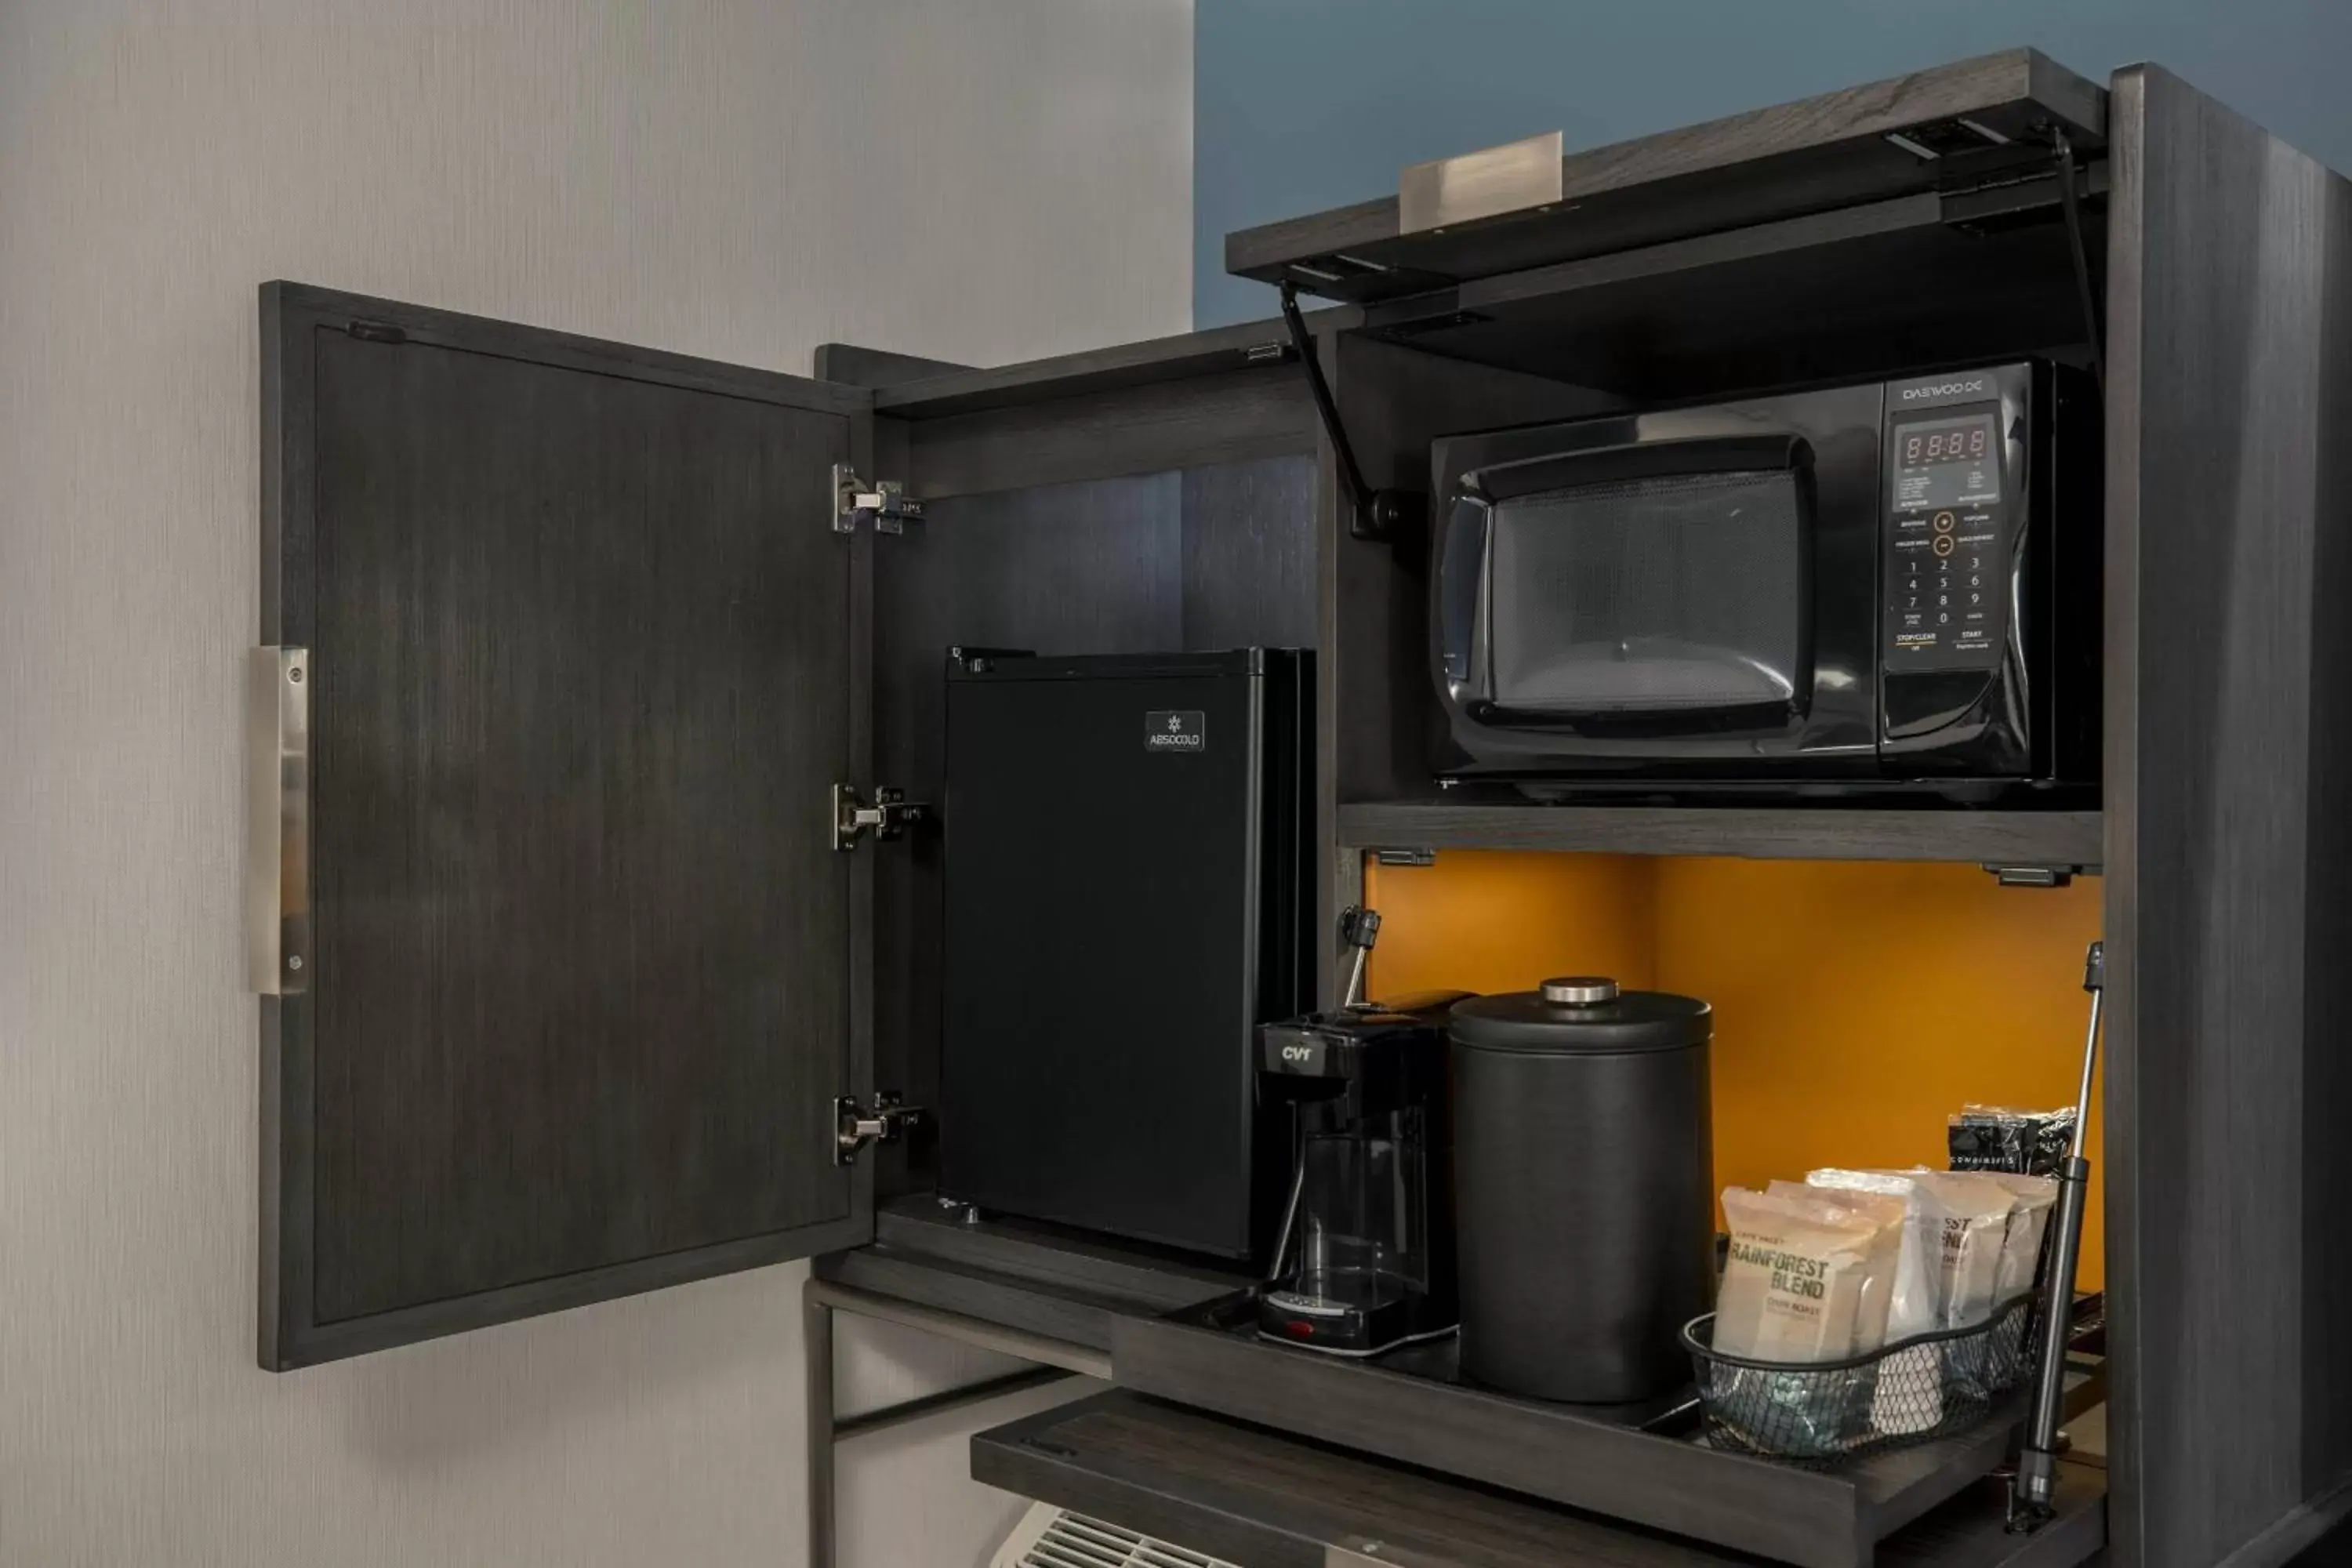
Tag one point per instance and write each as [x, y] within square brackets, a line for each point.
[1949, 462]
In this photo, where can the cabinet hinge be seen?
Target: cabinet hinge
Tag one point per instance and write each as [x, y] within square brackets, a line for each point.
[888, 816]
[854, 1127]
[884, 504]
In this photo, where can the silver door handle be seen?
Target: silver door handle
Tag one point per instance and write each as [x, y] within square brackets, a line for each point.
[277, 826]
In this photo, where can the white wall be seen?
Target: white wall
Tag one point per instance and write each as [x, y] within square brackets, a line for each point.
[736, 178]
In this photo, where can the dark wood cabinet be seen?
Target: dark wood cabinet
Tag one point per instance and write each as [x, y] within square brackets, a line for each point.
[564, 974]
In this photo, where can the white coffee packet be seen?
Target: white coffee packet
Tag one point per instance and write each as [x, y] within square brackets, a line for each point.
[1975, 1230]
[1915, 1302]
[2020, 1254]
[1884, 1210]
[1800, 1273]
[1908, 1397]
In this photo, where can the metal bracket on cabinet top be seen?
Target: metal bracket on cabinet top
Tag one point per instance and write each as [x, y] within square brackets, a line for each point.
[1518, 176]
[2036, 875]
[884, 504]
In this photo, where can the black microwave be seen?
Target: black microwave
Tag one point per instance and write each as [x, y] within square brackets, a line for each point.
[1891, 585]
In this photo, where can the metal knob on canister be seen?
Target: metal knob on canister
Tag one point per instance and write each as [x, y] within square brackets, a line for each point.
[1584, 1190]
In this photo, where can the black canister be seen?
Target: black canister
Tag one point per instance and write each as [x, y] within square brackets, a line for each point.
[1584, 1190]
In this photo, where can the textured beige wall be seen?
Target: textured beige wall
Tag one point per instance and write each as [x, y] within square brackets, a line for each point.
[966, 180]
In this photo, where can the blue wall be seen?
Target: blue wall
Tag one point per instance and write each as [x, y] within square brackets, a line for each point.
[1305, 104]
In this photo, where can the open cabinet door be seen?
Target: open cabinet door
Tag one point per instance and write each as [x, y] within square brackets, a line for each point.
[2229, 822]
[561, 971]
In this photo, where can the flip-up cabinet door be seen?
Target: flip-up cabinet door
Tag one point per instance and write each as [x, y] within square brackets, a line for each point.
[2229, 896]
[561, 971]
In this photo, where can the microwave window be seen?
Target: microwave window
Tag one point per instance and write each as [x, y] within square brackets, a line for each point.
[1659, 595]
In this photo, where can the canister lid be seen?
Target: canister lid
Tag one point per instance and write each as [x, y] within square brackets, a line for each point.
[1582, 1013]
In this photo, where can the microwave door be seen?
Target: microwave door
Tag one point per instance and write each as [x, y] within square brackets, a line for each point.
[1642, 593]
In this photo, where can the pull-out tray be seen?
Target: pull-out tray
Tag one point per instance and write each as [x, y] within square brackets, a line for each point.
[1637, 1465]
[1265, 1500]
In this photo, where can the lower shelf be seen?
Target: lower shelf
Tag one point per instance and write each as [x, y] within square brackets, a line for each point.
[1627, 1467]
[1263, 1500]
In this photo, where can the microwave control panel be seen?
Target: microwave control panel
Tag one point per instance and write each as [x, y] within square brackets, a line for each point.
[1947, 540]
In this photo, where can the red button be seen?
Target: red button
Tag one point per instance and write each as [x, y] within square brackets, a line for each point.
[1304, 1330]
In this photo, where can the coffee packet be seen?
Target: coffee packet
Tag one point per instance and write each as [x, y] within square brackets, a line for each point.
[2021, 1253]
[1803, 1279]
[1806, 1282]
[1908, 1395]
[1915, 1300]
[1976, 1232]
[1888, 1213]
[1996, 1138]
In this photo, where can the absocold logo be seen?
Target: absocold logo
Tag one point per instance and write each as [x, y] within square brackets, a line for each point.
[1175, 730]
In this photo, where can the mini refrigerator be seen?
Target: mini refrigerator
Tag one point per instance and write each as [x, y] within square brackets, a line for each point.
[1128, 894]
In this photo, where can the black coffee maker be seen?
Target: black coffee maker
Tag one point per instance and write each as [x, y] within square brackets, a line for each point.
[1364, 1258]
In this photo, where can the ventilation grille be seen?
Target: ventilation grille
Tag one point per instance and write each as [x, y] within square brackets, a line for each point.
[1049, 1537]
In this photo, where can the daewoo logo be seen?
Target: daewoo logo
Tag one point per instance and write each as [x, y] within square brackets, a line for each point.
[1944, 389]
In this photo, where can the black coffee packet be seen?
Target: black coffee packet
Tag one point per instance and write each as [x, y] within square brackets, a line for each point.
[1995, 1138]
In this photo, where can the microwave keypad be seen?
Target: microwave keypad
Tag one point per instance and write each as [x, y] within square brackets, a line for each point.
[1945, 548]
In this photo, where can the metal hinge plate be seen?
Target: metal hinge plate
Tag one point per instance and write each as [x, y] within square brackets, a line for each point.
[855, 1127]
[883, 505]
[888, 816]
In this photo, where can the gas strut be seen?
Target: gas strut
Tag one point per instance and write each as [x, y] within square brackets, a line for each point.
[2070, 208]
[1378, 514]
[2031, 1499]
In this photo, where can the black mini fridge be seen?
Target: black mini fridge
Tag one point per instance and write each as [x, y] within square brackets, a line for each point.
[1129, 870]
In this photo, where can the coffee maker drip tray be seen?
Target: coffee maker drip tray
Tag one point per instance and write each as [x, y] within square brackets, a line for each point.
[1345, 1311]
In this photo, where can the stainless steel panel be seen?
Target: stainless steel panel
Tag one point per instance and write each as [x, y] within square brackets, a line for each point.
[1514, 177]
[277, 826]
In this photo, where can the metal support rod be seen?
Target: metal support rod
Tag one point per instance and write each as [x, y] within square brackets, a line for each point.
[1084, 1360]
[820, 1299]
[1289, 1205]
[1351, 477]
[816, 1351]
[2090, 1057]
[2070, 208]
[914, 1409]
[2032, 1496]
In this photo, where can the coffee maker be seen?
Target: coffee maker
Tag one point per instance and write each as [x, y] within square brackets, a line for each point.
[1364, 1257]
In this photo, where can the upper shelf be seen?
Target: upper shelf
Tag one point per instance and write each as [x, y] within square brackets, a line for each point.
[1773, 833]
[1919, 132]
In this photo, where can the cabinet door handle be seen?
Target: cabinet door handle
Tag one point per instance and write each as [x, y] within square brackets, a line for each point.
[277, 827]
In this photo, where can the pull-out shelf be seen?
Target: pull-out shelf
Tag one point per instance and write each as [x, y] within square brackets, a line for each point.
[1263, 1500]
[1652, 1474]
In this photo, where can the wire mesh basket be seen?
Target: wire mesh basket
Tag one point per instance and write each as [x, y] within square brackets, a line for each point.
[1826, 1413]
